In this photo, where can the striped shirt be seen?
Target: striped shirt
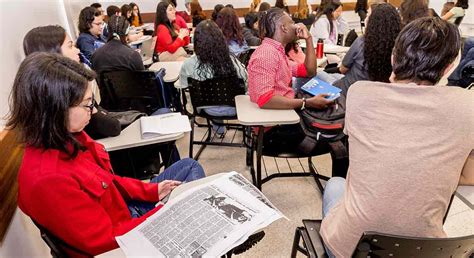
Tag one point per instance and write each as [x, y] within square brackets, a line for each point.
[270, 72]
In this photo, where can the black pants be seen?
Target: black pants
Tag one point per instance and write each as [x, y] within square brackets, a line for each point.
[286, 138]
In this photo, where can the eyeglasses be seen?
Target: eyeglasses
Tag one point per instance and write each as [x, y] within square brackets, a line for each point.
[90, 106]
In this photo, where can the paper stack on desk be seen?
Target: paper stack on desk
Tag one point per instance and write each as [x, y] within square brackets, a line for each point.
[208, 219]
[152, 126]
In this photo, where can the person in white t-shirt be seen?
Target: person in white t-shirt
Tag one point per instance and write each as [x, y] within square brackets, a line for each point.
[456, 12]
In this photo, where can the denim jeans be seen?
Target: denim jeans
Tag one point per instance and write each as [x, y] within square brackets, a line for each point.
[333, 193]
[220, 111]
[185, 170]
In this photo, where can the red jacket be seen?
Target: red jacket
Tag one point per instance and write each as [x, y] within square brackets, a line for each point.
[186, 17]
[80, 201]
[165, 42]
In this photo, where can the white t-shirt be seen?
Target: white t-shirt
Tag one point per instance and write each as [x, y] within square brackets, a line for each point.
[457, 12]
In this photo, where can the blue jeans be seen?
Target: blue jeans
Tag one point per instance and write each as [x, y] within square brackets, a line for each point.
[333, 193]
[185, 170]
[220, 111]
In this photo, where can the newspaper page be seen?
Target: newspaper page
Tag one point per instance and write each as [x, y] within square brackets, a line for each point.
[206, 220]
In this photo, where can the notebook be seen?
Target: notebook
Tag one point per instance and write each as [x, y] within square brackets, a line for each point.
[316, 86]
[152, 126]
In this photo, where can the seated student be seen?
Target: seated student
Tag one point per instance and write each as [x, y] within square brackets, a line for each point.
[329, 23]
[250, 30]
[171, 39]
[411, 10]
[54, 39]
[369, 57]
[217, 9]
[196, 13]
[111, 10]
[456, 12]
[405, 164]
[283, 4]
[270, 80]
[304, 13]
[116, 55]
[136, 18]
[228, 22]
[212, 59]
[179, 21]
[65, 181]
[254, 6]
[90, 26]
[186, 14]
[126, 11]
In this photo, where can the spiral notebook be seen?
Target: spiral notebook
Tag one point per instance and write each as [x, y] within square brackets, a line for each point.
[316, 86]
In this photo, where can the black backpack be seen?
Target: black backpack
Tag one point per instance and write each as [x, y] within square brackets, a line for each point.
[324, 125]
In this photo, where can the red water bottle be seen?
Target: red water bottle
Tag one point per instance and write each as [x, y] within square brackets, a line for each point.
[319, 49]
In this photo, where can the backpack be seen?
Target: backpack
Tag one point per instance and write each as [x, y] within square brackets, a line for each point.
[324, 125]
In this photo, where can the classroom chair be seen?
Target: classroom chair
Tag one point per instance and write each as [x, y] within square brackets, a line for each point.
[130, 90]
[244, 57]
[213, 92]
[374, 244]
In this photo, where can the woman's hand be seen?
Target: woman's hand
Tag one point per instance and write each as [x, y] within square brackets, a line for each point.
[302, 31]
[183, 33]
[165, 187]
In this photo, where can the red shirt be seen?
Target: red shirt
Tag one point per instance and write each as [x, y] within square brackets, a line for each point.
[79, 200]
[186, 17]
[270, 72]
[165, 42]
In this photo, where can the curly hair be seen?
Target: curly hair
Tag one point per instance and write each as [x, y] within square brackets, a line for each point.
[413, 9]
[212, 51]
[229, 23]
[86, 18]
[383, 27]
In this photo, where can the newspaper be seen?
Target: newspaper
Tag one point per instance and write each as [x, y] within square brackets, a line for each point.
[207, 220]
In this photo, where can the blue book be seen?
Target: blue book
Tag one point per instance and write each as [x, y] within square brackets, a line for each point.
[316, 86]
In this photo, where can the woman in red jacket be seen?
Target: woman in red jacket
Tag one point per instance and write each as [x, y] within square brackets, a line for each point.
[66, 182]
[170, 37]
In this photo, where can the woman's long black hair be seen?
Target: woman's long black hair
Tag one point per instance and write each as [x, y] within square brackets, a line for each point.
[162, 18]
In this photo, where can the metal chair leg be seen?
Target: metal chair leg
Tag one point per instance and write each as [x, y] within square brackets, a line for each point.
[191, 138]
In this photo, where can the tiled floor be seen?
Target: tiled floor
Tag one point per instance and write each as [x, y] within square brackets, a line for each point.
[297, 198]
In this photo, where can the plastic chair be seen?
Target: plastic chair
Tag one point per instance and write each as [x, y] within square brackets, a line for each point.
[244, 57]
[130, 90]
[374, 244]
[213, 92]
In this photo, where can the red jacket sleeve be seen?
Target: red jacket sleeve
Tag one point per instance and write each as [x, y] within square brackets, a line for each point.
[88, 227]
[137, 190]
[165, 42]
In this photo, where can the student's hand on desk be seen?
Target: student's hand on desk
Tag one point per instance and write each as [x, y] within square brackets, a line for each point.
[319, 101]
[302, 31]
[165, 187]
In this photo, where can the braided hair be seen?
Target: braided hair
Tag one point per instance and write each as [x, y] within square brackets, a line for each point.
[268, 21]
[118, 27]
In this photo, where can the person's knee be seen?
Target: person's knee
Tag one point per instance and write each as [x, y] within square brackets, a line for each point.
[196, 168]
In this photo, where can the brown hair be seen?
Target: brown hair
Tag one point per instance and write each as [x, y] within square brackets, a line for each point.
[229, 23]
[413, 9]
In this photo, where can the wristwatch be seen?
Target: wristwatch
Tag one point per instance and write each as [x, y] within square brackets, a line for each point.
[303, 106]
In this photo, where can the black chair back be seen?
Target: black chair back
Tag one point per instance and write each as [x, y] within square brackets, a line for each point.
[215, 92]
[58, 246]
[374, 244]
[244, 57]
[458, 21]
[130, 90]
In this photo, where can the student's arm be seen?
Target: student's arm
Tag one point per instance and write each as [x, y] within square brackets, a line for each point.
[467, 174]
[280, 102]
[310, 59]
[343, 69]
[165, 40]
[349, 57]
[447, 16]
